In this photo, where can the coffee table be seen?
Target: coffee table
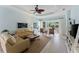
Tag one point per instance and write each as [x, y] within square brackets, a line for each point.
[32, 37]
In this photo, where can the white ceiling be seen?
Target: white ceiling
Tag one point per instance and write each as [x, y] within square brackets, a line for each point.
[49, 9]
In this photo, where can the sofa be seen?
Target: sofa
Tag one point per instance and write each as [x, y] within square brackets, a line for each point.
[23, 32]
[13, 44]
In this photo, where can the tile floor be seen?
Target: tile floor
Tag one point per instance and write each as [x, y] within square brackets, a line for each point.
[55, 45]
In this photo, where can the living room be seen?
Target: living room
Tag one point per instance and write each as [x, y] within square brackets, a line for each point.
[39, 27]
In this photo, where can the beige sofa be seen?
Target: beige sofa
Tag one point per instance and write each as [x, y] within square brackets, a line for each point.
[23, 32]
[13, 44]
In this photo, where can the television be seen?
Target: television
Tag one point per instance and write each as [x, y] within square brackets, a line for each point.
[22, 25]
[74, 28]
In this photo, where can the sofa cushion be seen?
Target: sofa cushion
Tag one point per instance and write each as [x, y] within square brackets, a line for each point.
[23, 32]
[10, 42]
[8, 38]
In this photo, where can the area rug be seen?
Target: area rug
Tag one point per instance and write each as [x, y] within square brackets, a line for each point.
[38, 45]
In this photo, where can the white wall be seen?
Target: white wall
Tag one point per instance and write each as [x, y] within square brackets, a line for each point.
[75, 13]
[62, 26]
[9, 18]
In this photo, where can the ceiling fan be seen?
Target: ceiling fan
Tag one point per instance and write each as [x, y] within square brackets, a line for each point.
[38, 10]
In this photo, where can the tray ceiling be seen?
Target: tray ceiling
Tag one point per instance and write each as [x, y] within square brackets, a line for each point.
[49, 9]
